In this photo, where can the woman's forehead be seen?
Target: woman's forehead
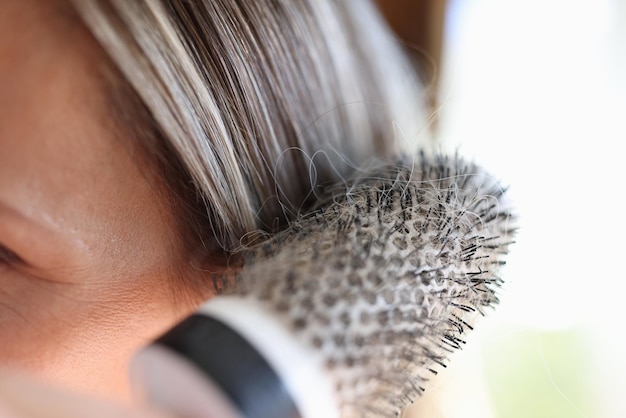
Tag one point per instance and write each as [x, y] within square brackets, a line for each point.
[51, 131]
[63, 165]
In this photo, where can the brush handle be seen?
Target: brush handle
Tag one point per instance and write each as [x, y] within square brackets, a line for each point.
[234, 364]
[163, 378]
[350, 310]
[247, 352]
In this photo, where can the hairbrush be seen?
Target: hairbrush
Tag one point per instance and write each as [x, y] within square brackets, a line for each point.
[351, 309]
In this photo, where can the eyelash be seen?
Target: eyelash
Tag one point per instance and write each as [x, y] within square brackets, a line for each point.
[7, 256]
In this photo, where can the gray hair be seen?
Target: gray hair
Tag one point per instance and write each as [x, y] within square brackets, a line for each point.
[258, 102]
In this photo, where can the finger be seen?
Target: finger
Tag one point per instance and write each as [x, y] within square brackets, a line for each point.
[22, 398]
[169, 381]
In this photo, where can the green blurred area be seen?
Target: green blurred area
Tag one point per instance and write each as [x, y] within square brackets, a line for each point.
[539, 374]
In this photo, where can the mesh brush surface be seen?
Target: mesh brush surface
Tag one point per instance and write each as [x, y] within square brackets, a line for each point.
[387, 275]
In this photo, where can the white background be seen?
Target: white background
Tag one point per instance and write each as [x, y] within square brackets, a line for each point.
[535, 90]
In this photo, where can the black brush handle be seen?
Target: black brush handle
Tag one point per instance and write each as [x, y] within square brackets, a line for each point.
[235, 365]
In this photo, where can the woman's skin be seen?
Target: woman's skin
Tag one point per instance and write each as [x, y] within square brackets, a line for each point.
[86, 241]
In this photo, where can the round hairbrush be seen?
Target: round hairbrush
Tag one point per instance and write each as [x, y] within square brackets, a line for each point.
[351, 310]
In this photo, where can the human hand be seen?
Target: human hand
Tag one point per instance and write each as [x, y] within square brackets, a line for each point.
[165, 386]
[21, 397]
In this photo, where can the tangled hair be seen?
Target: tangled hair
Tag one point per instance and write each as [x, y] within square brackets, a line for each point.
[250, 105]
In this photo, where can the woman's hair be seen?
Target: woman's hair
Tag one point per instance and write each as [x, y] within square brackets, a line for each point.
[250, 105]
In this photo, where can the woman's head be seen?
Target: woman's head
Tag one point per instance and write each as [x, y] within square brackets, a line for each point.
[140, 139]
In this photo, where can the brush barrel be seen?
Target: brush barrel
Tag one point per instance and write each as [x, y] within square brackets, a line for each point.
[234, 348]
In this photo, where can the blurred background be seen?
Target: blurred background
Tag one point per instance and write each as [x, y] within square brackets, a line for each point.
[535, 91]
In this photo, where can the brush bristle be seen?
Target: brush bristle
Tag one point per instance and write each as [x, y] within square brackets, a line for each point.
[387, 275]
